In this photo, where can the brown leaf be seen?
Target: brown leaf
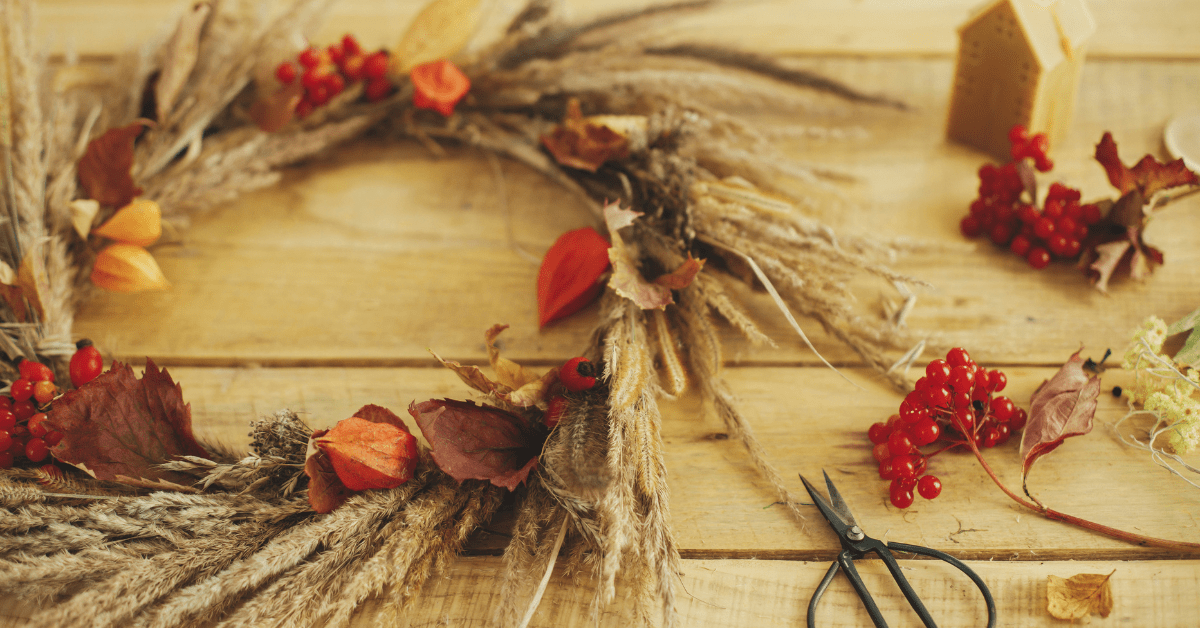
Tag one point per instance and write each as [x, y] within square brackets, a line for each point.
[181, 53]
[517, 385]
[275, 111]
[626, 279]
[104, 169]
[1108, 257]
[473, 442]
[439, 31]
[1063, 406]
[509, 373]
[582, 143]
[117, 425]
[681, 277]
[1147, 176]
[1079, 596]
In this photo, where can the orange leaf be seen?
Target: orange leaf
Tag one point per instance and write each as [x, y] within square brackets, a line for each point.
[569, 275]
[580, 143]
[681, 277]
[365, 454]
[438, 85]
[325, 491]
[104, 169]
[139, 222]
[128, 268]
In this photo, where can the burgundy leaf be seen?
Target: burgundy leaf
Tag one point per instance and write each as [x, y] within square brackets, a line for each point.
[104, 169]
[325, 490]
[1063, 406]
[473, 442]
[119, 426]
[1147, 176]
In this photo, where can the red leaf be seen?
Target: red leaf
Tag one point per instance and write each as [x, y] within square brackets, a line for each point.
[372, 449]
[580, 143]
[569, 276]
[117, 425]
[1148, 176]
[681, 277]
[1063, 406]
[104, 169]
[473, 442]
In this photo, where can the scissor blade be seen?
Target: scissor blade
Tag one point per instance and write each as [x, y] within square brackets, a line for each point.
[839, 504]
[835, 520]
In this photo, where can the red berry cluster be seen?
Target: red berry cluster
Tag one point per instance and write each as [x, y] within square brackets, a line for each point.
[1009, 218]
[953, 402]
[23, 429]
[326, 73]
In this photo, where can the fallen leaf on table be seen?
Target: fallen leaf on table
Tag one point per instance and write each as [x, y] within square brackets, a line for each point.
[1189, 354]
[1079, 596]
[371, 449]
[118, 426]
[473, 442]
[1063, 406]
[104, 169]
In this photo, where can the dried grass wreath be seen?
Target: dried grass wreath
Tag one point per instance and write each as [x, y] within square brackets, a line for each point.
[205, 114]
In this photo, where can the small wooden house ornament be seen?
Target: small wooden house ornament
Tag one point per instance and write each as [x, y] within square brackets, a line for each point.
[1019, 62]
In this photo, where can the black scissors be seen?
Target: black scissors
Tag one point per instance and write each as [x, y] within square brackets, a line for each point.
[856, 544]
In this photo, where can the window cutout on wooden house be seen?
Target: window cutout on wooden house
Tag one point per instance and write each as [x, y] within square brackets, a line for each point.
[1019, 62]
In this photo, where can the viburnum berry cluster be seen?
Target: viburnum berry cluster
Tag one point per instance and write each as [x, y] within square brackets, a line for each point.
[326, 73]
[24, 434]
[954, 401]
[1006, 210]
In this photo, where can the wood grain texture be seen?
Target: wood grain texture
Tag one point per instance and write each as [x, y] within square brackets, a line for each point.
[1125, 28]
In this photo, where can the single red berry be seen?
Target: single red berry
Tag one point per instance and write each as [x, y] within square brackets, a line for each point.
[1002, 408]
[878, 433]
[970, 226]
[916, 399]
[886, 472]
[990, 437]
[1072, 247]
[1001, 234]
[578, 374]
[929, 486]
[962, 378]
[1057, 244]
[5, 440]
[1044, 227]
[938, 397]
[8, 420]
[881, 452]
[958, 357]
[309, 58]
[899, 496]
[554, 412]
[922, 384]
[21, 390]
[350, 45]
[964, 420]
[1005, 432]
[903, 466]
[1018, 134]
[24, 409]
[36, 450]
[997, 380]
[336, 52]
[925, 432]
[334, 84]
[86, 364]
[37, 425]
[44, 392]
[1053, 209]
[1091, 214]
[286, 73]
[1028, 214]
[375, 65]
[1017, 420]
[1020, 245]
[6, 460]
[961, 399]
[52, 437]
[6, 402]
[312, 79]
[1043, 163]
[377, 89]
[937, 371]
[1066, 226]
[899, 443]
[1038, 258]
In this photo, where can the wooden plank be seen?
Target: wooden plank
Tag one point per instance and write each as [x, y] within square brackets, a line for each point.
[1125, 28]
[381, 253]
[722, 507]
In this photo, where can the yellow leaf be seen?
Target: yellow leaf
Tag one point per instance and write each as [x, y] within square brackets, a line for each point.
[128, 268]
[508, 372]
[439, 31]
[1079, 596]
[139, 222]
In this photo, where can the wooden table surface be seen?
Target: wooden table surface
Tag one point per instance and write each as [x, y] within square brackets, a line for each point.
[324, 294]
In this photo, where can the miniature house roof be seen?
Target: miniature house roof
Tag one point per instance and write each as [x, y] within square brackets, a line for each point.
[1055, 31]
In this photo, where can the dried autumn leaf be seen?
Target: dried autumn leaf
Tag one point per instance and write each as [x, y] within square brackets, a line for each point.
[1108, 257]
[1079, 596]
[1189, 354]
[1063, 406]
[83, 212]
[373, 450]
[139, 222]
[682, 276]
[180, 57]
[118, 426]
[569, 277]
[627, 280]
[278, 109]
[514, 383]
[1147, 176]
[439, 31]
[128, 268]
[473, 442]
[104, 169]
[584, 143]
[438, 85]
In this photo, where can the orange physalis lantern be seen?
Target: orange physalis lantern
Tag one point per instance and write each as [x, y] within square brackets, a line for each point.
[367, 454]
[568, 277]
[438, 85]
[139, 222]
[127, 268]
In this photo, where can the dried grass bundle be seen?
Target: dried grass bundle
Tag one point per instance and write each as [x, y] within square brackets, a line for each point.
[249, 551]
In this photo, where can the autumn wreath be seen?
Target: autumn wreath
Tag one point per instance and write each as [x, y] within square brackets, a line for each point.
[690, 202]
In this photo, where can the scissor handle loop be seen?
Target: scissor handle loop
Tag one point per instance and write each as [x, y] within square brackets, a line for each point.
[910, 549]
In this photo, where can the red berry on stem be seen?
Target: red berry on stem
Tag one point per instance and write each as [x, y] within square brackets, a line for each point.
[1018, 134]
[925, 432]
[350, 45]
[958, 357]
[21, 390]
[938, 397]
[36, 450]
[899, 496]
[1001, 234]
[886, 472]
[309, 58]
[964, 420]
[375, 65]
[5, 440]
[1038, 258]
[86, 364]
[929, 486]
[1017, 420]
[578, 374]
[35, 371]
[899, 443]
[24, 409]
[997, 380]
[44, 392]
[937, 371]
[1091, 214]
[878, 433]
[1020, 245]
[8, 420]
[881, 452]
[52, 437]
[970, 227]
[1043, 228]
[336, 52]
[1053, 209]
[962, 378]
[904, 466]
[1002, 408]
[990, 437]
[286, 73]
[37, 425]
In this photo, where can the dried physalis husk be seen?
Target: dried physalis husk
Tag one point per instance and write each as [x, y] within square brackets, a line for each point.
[439, 31]
[83, 212]
[139, 222]
[128, 268]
